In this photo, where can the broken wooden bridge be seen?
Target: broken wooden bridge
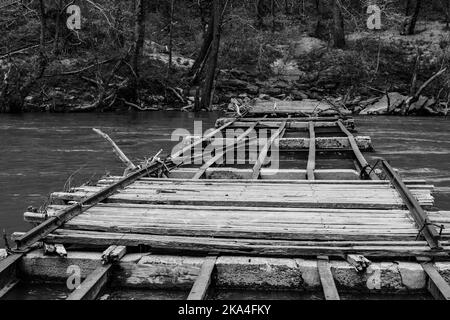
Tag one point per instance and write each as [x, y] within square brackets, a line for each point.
[288, 202]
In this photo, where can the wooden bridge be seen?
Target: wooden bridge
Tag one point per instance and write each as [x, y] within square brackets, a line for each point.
[301, 210]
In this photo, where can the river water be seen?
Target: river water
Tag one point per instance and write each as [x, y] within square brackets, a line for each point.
[40, 152]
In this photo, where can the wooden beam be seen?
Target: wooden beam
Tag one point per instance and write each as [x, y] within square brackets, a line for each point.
[265, 150]
[326, 278]
[92, 285]
[8, 272]
[359, 156]
[8, 287]
[419, 215]
[312, 152]
[437, 286]
[176, 157]
[265, 247]
[220, 154]
[203, 281]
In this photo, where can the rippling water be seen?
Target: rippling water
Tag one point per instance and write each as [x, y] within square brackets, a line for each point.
[39, 152]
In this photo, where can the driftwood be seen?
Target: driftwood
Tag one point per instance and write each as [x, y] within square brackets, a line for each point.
[117, 150]
[415, 97]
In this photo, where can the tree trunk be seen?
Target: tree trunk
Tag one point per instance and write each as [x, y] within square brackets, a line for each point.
[412, 25]
[272, 11]
[57, 28]
[211, 64]
[260, 13]
[43, 24]
[408, 7]
[338, 32]
[139, 33]
[202, 55]
[172, 3]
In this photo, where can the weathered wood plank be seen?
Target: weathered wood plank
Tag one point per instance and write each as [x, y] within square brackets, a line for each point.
[312, 153]
[8, 270]
[92, 285]
[203, 281]
[263, 154]
[326, 279]
[239, 246]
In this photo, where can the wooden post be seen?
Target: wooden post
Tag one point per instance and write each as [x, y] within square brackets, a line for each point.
[201, 285]
[312, 152]
[326, 279]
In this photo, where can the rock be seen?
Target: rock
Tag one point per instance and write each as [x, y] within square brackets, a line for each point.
[298, 95]
[307, 45]
[382, 107]
[417, 106]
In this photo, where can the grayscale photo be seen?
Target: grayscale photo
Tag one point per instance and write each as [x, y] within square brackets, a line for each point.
[224, 155]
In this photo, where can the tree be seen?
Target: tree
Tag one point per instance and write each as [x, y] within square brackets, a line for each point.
[412, 24]
[218, 8]
[338, 25]
[139, 32]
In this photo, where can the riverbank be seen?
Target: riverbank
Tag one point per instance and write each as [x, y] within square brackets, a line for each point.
[289, 58]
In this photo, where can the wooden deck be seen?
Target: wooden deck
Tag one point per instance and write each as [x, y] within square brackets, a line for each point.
[217, 210]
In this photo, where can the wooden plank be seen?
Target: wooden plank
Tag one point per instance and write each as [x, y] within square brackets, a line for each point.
[326, 279]
[95, 281]
[312, 152]
[359, 156]
[437, 286]
[8, 287]
[8, 270]
[92, 285]
[220, 154]
[263, 154]
[240, 246]
[203, 281]
[176, 156]
[65, 215]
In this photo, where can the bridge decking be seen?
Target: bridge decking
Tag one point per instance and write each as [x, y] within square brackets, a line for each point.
[252, 210]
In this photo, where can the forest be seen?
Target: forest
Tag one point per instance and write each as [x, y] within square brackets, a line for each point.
[193, 55]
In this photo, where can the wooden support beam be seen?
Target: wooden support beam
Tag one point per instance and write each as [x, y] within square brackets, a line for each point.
[203, 281]
[326, 278]
[436, 285]
[359, 156]
[8, 287]
[92, 285]
[220, 154]
[8, 272]
[423, 223]
[312, 152]
[263, 154]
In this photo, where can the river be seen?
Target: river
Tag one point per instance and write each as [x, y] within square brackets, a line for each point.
[40, 152]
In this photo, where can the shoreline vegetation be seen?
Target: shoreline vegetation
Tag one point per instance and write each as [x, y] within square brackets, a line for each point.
[222, 54]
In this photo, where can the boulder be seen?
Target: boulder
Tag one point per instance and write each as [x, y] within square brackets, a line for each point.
[382, 106]
[307, 45]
